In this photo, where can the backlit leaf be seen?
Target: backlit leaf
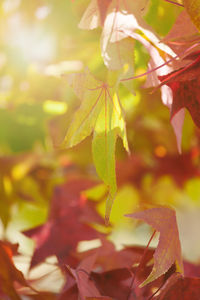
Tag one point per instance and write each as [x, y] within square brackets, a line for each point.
[168, 251]
[100, 112]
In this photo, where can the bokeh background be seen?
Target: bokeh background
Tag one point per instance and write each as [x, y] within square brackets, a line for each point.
[40, 42]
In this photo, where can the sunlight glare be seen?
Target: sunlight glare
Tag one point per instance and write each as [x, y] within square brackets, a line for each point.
[34, 43]
[10, 5]
[42, 12]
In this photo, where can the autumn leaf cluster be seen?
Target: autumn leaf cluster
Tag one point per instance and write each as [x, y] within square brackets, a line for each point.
[99, 150]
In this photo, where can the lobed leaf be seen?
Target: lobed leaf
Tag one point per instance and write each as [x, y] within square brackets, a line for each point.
[100, 112]
[168, 251]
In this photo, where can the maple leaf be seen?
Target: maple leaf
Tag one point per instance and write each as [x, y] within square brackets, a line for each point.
[67, 224]
[168, 251]
[184, 84]
[100, 112]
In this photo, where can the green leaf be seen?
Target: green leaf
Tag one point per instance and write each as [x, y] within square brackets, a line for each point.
[100, 112]
[85, 87]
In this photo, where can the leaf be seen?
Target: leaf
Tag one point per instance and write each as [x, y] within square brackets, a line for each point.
[121, 16]
[95, 14]
[114, 283]
[81, 278]
[184, 84]
[113, 16]
[193, 9]
[109, 259]
[182, 289]
[100, 112]
[168, 251]
[70, 214]
[182, 35]
[9, 274]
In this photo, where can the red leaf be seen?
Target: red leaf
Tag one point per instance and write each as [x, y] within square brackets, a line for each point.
[9, 274]
[168, 251]
[109, 258]
[191, 270]
[112, 283]
[185, 87]
[182, 289]
[79, 282]
[67, 224]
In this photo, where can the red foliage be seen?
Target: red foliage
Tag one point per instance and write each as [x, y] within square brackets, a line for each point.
[68, 223]
[185, 87]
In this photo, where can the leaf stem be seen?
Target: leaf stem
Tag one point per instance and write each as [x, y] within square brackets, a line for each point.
[162, 65]
[173, 2]
[140, 263]
[150, 71]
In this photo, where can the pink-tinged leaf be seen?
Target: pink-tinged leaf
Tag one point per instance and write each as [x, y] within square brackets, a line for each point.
[95, 14]
[123, 21]
[177, 124]
[168, 251]
[182, 34]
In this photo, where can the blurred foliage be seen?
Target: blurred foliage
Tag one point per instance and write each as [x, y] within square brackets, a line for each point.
[39, 44]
